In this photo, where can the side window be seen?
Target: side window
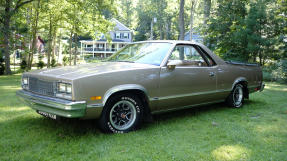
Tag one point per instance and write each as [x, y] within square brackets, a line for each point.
[208, 58]
[118, 35]
[189, 55]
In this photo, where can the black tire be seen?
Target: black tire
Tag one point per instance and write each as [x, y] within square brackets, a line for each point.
[122, 113]
[236, 97]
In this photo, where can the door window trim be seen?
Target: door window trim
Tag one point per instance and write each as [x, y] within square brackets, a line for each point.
[198, 49]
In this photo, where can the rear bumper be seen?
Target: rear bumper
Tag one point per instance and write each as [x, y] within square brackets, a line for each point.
[59, 107]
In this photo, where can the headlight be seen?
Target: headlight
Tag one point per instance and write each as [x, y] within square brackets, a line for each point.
[62, 87]
[64, 90]
[69, 88]
[25, 83]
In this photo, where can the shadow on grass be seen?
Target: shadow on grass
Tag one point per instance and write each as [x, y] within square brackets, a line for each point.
[70, 128]
[189, 112]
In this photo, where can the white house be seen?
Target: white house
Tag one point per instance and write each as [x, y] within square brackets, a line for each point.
[120, 36]
[195, 37]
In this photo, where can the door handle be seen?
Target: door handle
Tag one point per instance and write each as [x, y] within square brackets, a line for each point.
[211, 74]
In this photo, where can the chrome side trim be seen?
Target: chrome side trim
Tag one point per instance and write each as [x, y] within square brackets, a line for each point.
[185, 107]
[192, 94]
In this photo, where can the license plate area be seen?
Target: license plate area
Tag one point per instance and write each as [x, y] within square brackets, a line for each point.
[45, 114]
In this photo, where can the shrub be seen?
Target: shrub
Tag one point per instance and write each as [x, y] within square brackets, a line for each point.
[65, 61]
[53, 63]
[40, 64]
[23, 64]
[276, 72]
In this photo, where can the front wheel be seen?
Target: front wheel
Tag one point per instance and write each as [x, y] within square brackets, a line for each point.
[121, 114]
[236, 97]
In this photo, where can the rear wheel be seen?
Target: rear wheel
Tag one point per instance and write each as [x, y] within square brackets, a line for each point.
[121, 114]
[236, 97]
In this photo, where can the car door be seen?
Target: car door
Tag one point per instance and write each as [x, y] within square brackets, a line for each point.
[191, 82]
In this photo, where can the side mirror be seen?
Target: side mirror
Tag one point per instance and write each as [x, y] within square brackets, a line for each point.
[172, 63]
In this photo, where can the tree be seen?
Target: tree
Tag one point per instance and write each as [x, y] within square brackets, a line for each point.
[126, 11]
[207, 7]
[10, 8]
[226, 31]
[256, 31]
[193, 4]
[35, 11]
[181, 20]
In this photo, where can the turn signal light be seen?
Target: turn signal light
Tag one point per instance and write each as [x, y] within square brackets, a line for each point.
[93, 98]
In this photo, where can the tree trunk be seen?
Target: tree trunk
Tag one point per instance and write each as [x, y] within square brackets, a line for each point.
[160, 31]
[49, 43]
[181, 20]
[207, 6]
[167, 29]
[70, 47]
[34, 36]
[7, 19]
[59, 46]
[76, 49]
[191, 18]
[54, 44]
[6, 39]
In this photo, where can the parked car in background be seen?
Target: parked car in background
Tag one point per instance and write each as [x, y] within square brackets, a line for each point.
[141, 79]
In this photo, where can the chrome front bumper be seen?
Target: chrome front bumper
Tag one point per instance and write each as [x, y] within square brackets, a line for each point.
[56, 106]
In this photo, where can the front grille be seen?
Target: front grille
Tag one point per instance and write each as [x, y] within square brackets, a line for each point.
[41, 87]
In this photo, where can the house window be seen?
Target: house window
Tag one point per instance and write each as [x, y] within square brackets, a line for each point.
[126, 35]
[118, 35]
[103, 36]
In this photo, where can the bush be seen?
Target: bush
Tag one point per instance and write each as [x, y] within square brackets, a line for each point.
[65, 61]
[2, 67]
[23, 64]
[40, 64]
[276, 72]
[53, 63]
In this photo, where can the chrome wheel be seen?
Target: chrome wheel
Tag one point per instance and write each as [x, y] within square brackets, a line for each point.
[122, 115]
[238, 96]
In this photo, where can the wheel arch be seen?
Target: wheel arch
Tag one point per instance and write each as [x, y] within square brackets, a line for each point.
[138, 90]
[243, 81]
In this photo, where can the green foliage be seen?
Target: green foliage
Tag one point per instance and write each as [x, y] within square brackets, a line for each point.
[226, 30]
[238, 33]
[53, 63]
[40, 64]
[66, 61]
[276, 72]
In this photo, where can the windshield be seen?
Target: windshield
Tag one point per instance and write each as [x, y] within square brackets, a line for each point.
[146, 53]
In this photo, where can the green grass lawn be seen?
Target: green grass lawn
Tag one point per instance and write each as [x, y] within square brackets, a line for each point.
[258, 131]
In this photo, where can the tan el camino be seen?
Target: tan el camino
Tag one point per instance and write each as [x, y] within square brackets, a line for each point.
[141, 79]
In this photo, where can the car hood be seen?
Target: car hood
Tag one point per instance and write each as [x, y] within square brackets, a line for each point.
[78, 71]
